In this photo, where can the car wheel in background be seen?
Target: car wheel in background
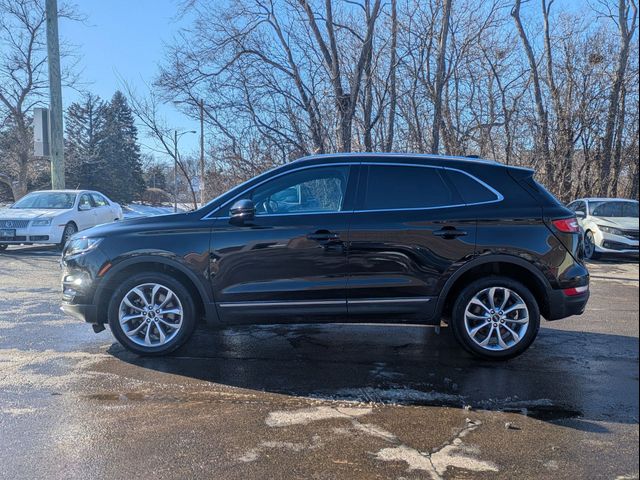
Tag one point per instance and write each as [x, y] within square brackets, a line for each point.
[152, 314]
[495, 318]
[69, 230]
[3, 247]
[590, 246]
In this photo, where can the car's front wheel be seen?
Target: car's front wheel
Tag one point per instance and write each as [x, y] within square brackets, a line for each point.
[496, 318]
[590, 246]
[152, 314]
[70, 229]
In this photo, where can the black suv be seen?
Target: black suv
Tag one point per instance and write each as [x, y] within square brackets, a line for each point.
[346, 237]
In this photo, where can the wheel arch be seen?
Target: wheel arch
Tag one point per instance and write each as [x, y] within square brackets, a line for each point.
[149, 263]
[504, 265]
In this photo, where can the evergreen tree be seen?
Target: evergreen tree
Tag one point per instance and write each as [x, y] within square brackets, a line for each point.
[123, 180]
[84, 128]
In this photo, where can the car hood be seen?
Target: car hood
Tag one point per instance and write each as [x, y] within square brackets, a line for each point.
[139, 224]
[625, 223]
[29, 213]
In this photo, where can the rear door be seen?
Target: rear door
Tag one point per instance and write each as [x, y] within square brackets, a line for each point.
[409, 231]
[104, 213]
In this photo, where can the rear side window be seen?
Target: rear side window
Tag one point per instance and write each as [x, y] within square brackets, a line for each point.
[471, 190]
[405, 187]
[99, 200]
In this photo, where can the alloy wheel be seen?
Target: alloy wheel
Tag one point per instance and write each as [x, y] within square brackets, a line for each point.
[496, 319]
[150, 315]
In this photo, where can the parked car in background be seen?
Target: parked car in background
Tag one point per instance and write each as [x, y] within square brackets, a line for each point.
[610, 225]
[53, 216]
[334, 238]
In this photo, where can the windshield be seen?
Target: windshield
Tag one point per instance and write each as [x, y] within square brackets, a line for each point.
[55, 200]
[614, 209]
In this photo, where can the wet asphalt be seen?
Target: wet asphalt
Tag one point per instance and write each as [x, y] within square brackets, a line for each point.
[314, 401]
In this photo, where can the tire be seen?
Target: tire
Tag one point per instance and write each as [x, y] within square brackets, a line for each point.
[590, 246]
[3, 247]
[180, 301]
[69, 230]
[468, 316]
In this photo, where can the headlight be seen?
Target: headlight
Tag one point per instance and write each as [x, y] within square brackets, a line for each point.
[611, 230]
[81, 245]
[41, 222]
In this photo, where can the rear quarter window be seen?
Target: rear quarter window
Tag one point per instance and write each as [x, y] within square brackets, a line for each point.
[470, 189]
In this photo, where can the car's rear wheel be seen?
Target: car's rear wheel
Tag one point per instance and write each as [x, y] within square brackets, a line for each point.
[496, 318]
[152, 314]
[70, 229]
[590, 246]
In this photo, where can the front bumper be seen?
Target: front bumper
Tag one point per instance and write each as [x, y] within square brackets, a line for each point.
[87, 313]
[49, 235]
[610, 243]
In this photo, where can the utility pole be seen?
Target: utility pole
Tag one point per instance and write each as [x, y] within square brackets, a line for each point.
[175, 171]
[55, 96]
[202, 194]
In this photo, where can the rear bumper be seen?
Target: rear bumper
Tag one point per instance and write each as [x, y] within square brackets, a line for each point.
[87, 313]
[563, 306]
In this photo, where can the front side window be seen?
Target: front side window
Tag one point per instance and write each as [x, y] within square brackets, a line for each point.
[313, 190]
[85, 202]
[407, 187]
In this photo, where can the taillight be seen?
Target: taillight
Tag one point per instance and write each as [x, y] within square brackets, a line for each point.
[567, 225]
[572, 292]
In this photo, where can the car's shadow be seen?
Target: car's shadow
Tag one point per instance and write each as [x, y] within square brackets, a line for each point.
[31, 251]
[577, 375]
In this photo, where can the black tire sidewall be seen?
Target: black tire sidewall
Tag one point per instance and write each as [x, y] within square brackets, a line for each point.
[3, 247]
[594, 255]
[63, 242]
[188, 319]
[460, 332]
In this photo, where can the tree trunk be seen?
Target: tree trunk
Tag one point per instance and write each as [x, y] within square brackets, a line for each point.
[440, 77]
[393, 94]
[542, 140]
[626, 34]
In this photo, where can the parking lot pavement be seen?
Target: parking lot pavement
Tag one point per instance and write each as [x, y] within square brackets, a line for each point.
[314, 401]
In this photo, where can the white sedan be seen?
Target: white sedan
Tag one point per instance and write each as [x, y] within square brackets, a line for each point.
[610, 225]
[53, 216]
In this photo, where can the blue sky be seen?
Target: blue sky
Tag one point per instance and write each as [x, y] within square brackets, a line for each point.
[124, 39]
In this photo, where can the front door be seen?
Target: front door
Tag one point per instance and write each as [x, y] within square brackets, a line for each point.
[290, 262]
[410, 227]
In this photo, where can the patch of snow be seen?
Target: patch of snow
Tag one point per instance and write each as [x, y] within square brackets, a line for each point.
[304, 416]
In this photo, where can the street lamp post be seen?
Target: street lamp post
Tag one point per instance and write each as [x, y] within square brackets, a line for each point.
[176, 136]
[201, 115]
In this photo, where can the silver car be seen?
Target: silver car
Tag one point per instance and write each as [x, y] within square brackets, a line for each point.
[610, 225]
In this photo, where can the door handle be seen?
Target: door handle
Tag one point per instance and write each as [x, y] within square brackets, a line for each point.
[450, 233]
[323, 236]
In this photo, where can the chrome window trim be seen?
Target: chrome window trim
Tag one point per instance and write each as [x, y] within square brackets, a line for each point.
[499, 196]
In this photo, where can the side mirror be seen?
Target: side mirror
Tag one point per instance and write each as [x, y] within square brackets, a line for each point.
[581, 214]
[242, 211]
[83, 207]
